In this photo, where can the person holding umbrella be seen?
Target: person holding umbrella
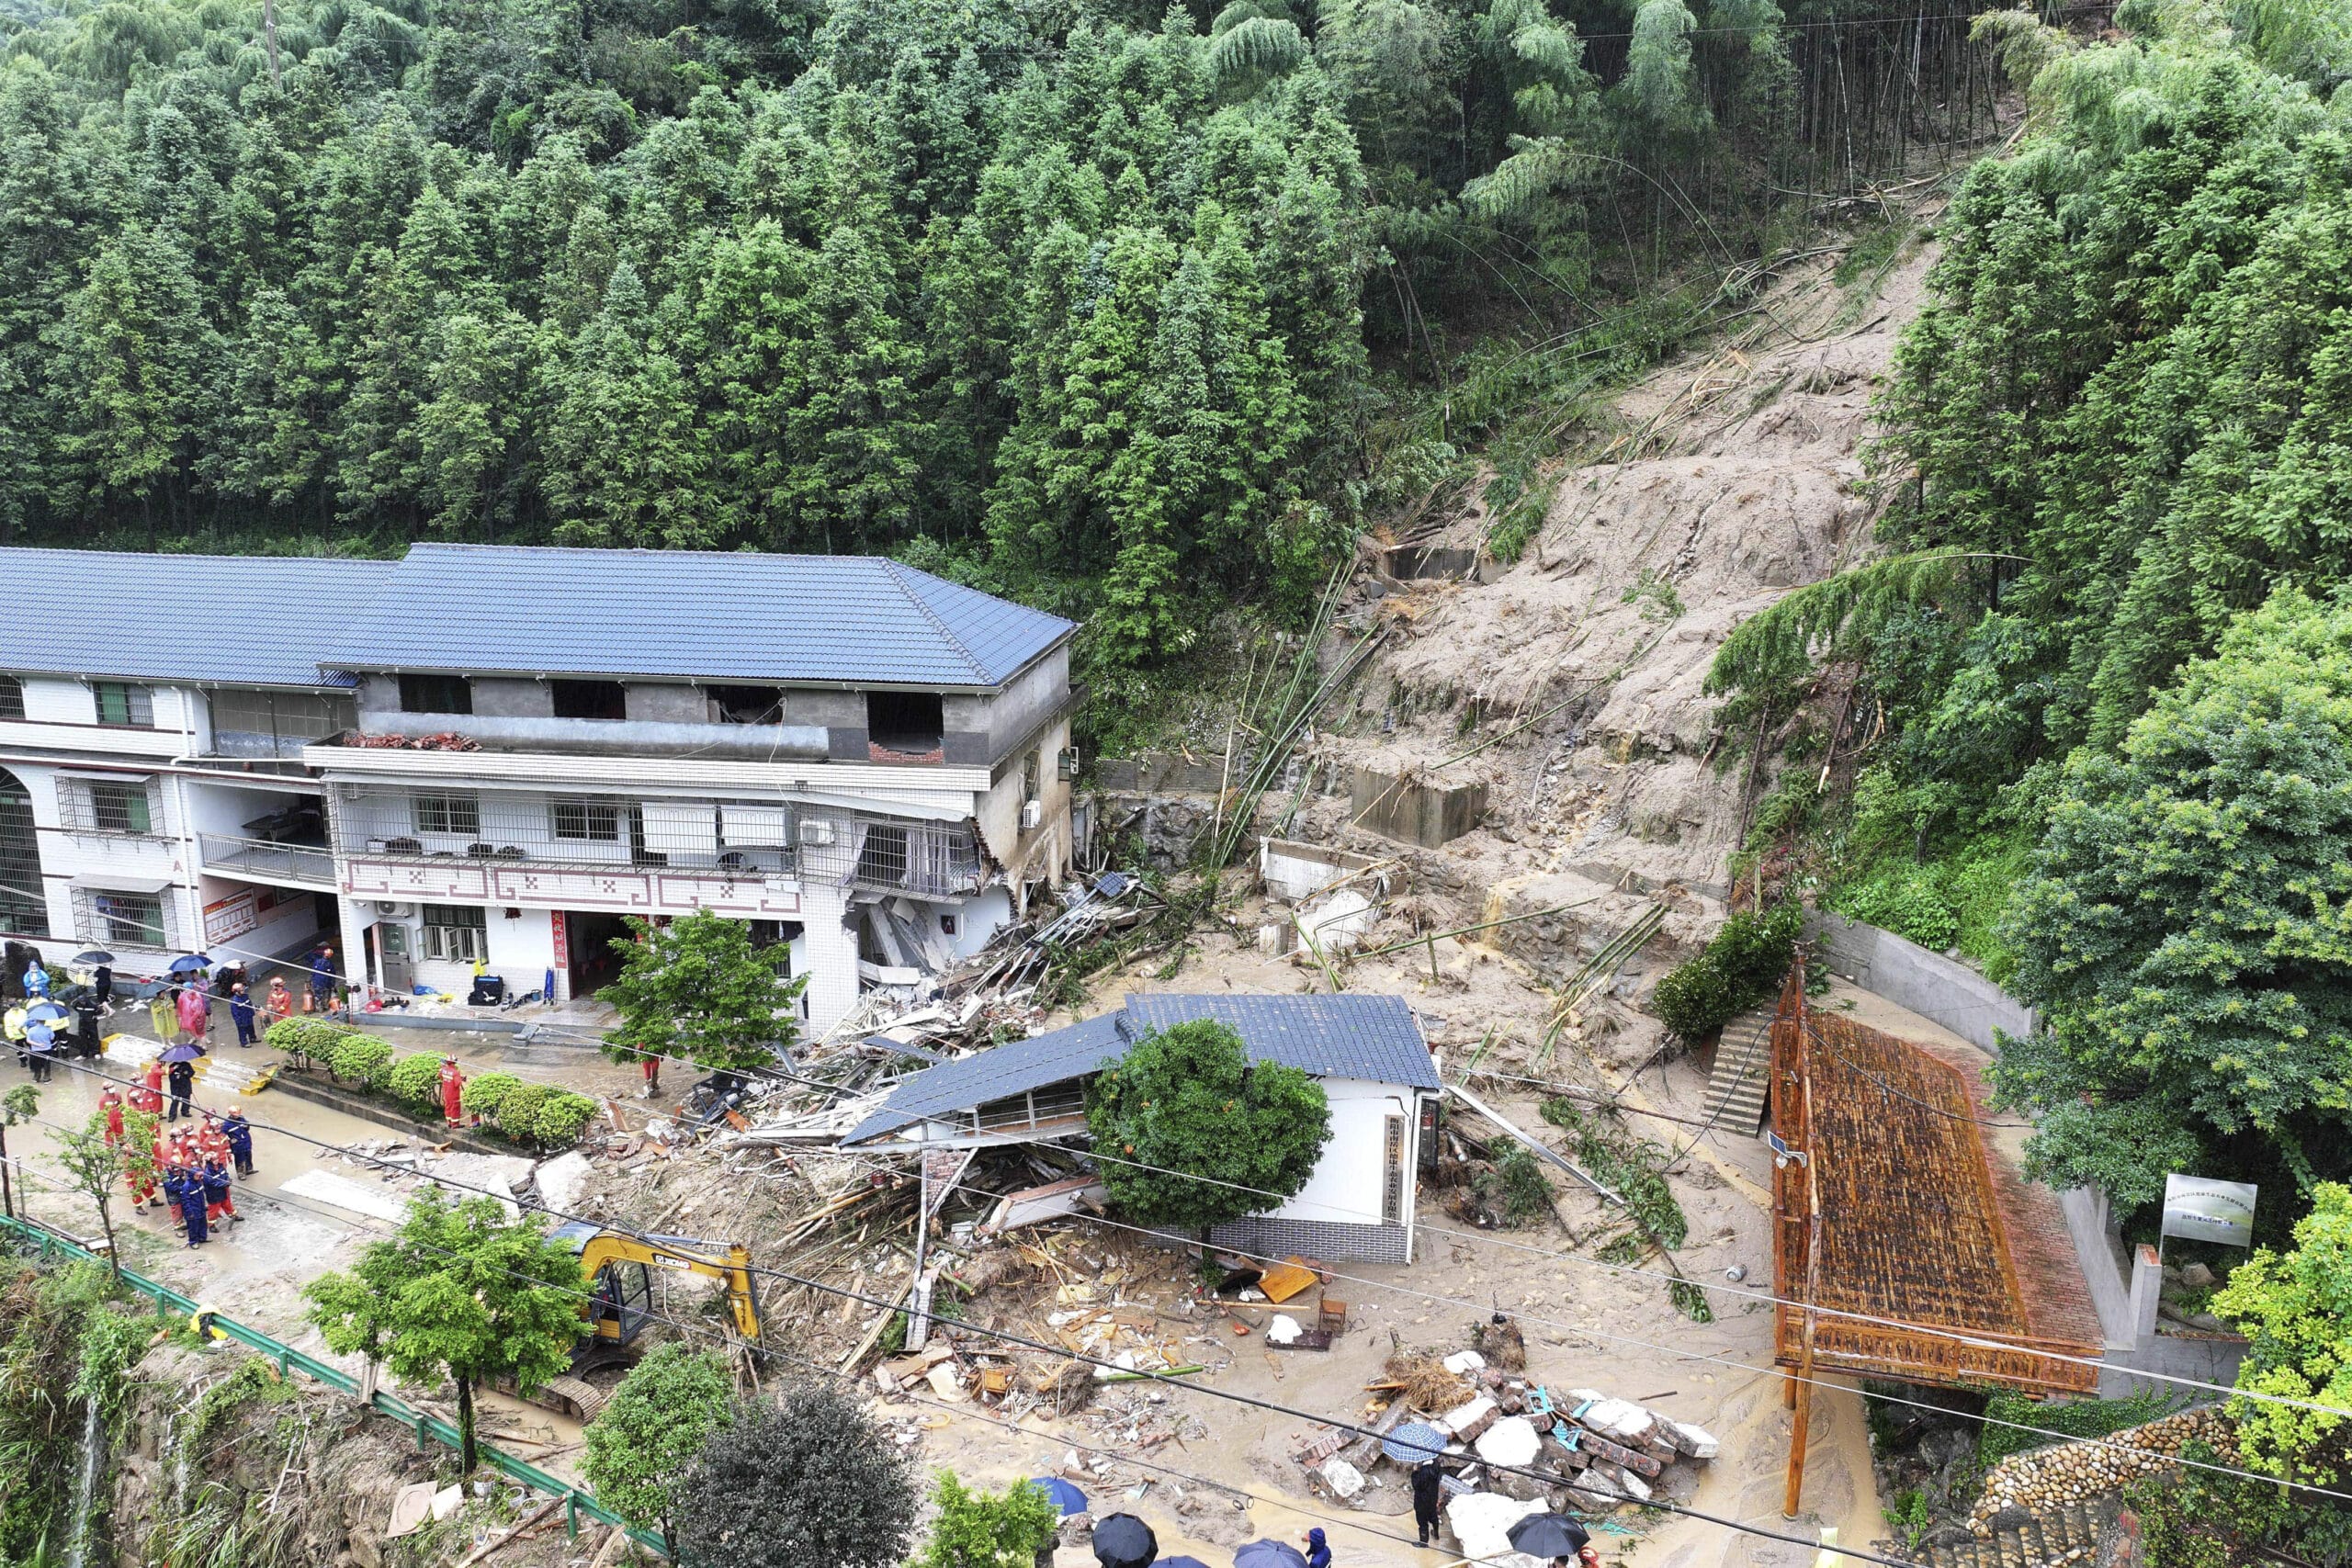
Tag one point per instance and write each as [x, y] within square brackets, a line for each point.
[1426, 1489]
[1557, 1537]
[100, 964]
[181, 1068]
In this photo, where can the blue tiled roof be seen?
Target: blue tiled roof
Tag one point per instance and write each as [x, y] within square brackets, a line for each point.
[233, 620]
[1373, 1038]
[993, 1074]
[480, 609]
[1345, 1036]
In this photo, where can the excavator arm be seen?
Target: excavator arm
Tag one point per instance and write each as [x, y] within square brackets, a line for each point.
[684, 1255]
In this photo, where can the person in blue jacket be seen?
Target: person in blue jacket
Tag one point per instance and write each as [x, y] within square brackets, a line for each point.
[240, 1134]
[187, 1190]
[217, 1201]
[241, 1011]
[1319, 1554]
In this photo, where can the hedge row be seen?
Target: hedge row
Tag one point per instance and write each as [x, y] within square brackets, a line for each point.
[536, 1113]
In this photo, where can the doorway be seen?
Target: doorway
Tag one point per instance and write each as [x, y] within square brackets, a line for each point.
[392, 940]
[588, 942]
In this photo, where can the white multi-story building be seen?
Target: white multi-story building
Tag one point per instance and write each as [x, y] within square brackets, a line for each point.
[154, 710]
[491, 755]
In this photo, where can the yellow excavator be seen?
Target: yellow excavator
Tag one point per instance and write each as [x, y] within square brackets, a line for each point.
[618, 1267]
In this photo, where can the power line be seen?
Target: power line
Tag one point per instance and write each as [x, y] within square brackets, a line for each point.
[1573, 1329]
[1958, 1337]
[1541, 1477]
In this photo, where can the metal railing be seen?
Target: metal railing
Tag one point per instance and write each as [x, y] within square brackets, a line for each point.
[311, 864]
[577, 1500]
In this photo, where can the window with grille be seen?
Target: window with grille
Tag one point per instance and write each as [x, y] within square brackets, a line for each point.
[119, 808]
[460, 815]
[455, 933]
[12, 697]
[128, 920]
[118, 702]
[597, 820]
[247, 722]
[107, 805]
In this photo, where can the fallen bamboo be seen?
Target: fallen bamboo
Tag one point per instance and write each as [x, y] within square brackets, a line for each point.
[1481, 926]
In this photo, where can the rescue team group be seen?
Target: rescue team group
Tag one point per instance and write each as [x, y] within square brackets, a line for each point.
[194, 1161]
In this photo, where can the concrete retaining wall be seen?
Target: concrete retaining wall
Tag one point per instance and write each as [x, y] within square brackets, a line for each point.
[1427, 815]
[2125, 1290]
[1927, 983]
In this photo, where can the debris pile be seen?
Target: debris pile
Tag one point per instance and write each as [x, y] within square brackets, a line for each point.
[2041, 1479]
[1589, 1452]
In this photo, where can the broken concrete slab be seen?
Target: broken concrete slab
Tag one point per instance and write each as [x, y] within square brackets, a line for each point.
[1416, 812]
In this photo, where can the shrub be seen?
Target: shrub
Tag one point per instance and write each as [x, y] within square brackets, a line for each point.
[357, 1058]
[415, 1078]
[1736, 970]
[285, 1034]
[518, 1110]
[562, 1119]
[485, 1092]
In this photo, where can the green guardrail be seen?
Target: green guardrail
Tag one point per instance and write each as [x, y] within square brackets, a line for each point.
[288, 1360]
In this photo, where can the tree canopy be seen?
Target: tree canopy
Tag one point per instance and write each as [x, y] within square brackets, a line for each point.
[971, 1527]
[2296, 1307]
[806, 1480]
[695, 986]
[2184, 929]
[652, 1428]
[462, 1292]
[1194, 1133]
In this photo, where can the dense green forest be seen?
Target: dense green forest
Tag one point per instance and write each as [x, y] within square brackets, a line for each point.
[1121, 308]
[2110, 657]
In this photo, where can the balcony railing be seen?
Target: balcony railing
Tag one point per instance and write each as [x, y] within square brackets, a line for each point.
[306, 865]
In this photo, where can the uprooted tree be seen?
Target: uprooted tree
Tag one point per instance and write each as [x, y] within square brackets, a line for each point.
[806, 1480]
[462, 1292]
[697, 987]
[1193, 1132]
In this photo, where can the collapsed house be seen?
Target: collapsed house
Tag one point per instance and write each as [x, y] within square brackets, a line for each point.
[1367, 1052]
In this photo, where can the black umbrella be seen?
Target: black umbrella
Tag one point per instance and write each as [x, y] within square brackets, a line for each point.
[95, 956]
[1124, 1541]
[182, 1052]
[1548, 1535]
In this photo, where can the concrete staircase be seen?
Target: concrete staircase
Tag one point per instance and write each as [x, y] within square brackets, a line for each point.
[221, 1072]
[1743, 1074]
[2066, 1535]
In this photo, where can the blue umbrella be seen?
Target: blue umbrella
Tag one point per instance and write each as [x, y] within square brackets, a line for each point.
[46, 1012]
[1124, 1541]
[190, 964]
[1413, 1442]
[183, 1052]
[1180, 1562]
[1061, 1494]
[1270, 1555]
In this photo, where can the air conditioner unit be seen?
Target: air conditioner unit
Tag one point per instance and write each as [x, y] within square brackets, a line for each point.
[386, 907]
[1067, 765]
[1032, 812]
[815, 830]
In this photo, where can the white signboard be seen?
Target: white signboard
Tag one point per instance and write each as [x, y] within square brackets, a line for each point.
[2198, 1210]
